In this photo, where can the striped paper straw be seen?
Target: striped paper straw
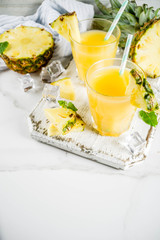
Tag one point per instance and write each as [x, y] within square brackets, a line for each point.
[125, 54]
[115, 21]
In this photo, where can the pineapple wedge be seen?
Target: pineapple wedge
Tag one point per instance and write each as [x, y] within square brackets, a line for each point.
[142, 95]
[66, 88]
[67, 26]
[77, 127]
[53, 131]
[63, 119]
[145, 49]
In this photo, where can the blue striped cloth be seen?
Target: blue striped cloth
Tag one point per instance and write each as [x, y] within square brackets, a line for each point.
[48, 11]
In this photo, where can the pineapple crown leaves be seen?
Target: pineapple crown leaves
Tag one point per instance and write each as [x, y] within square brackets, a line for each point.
[68, 105]
[3, 46]
[132, 19]
[132, 14]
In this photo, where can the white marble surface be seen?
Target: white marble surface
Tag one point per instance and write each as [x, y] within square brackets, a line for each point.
[46, 193]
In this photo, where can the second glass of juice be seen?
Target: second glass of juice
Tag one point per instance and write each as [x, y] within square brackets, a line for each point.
[93, 47]
[110, 107]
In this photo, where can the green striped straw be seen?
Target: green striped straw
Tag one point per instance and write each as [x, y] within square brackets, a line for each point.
[115, 21]
[125, 54]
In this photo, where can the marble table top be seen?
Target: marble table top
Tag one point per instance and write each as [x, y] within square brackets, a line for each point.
[47, 193]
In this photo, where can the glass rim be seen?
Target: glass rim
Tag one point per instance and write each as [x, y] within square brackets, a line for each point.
[107, 96]
[107, 44]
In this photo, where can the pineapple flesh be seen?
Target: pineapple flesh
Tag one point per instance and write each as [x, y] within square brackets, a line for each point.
[63, 119]
[53, 131]
[145, 50]
[77, 127]
[66, 88]
[142, 95]
[67, 26]
[29, 48]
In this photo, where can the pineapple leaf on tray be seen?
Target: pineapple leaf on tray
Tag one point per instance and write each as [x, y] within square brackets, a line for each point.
[132, 19]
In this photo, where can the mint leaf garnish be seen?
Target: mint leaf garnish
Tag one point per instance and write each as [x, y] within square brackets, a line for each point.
[69, 105]
[149, 117]
[3, 46]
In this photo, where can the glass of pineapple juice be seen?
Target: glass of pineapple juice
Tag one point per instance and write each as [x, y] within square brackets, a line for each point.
[110, 107]
[93, 47]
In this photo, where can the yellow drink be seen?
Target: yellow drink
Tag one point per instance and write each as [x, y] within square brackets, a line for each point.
[93, 47]
[111, 110]
[107, 81]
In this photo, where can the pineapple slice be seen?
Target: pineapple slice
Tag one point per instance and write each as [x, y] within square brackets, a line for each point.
[145, 50]
[142, 95]
[29, 48]
[77, 127]
[62, 118]
[53, 131]
[67, 25]
[66, 88]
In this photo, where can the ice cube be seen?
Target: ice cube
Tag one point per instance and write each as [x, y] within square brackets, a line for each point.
[54, 69]
[51, 93]
[26, 82]
[133, 142]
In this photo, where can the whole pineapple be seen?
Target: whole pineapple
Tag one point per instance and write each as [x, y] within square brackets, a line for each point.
[144, 23]
[29, 48]
[132, 19]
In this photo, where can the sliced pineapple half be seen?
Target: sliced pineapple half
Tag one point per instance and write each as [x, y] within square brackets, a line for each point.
[142, 95]
[77, 127]
[62, 118]
[145, 50]
[29, 48]
[66, 88]
[67, 25]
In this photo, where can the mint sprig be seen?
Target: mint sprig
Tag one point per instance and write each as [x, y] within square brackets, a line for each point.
[149, 117]
[3, 46]
[68, 105]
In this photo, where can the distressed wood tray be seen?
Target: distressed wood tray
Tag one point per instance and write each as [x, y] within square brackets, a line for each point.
[110, 151]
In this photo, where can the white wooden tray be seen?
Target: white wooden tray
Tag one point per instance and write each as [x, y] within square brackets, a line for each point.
[110, 151]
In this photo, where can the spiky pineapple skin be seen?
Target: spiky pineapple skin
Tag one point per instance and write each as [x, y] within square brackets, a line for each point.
[150, 102]
[30, 64]
[138, 35]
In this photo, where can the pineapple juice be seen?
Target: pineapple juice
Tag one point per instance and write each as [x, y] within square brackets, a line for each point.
[111, 110]
[91, 49]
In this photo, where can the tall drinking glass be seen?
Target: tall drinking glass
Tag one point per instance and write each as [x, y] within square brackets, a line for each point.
[110, 108]
[93, 47]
